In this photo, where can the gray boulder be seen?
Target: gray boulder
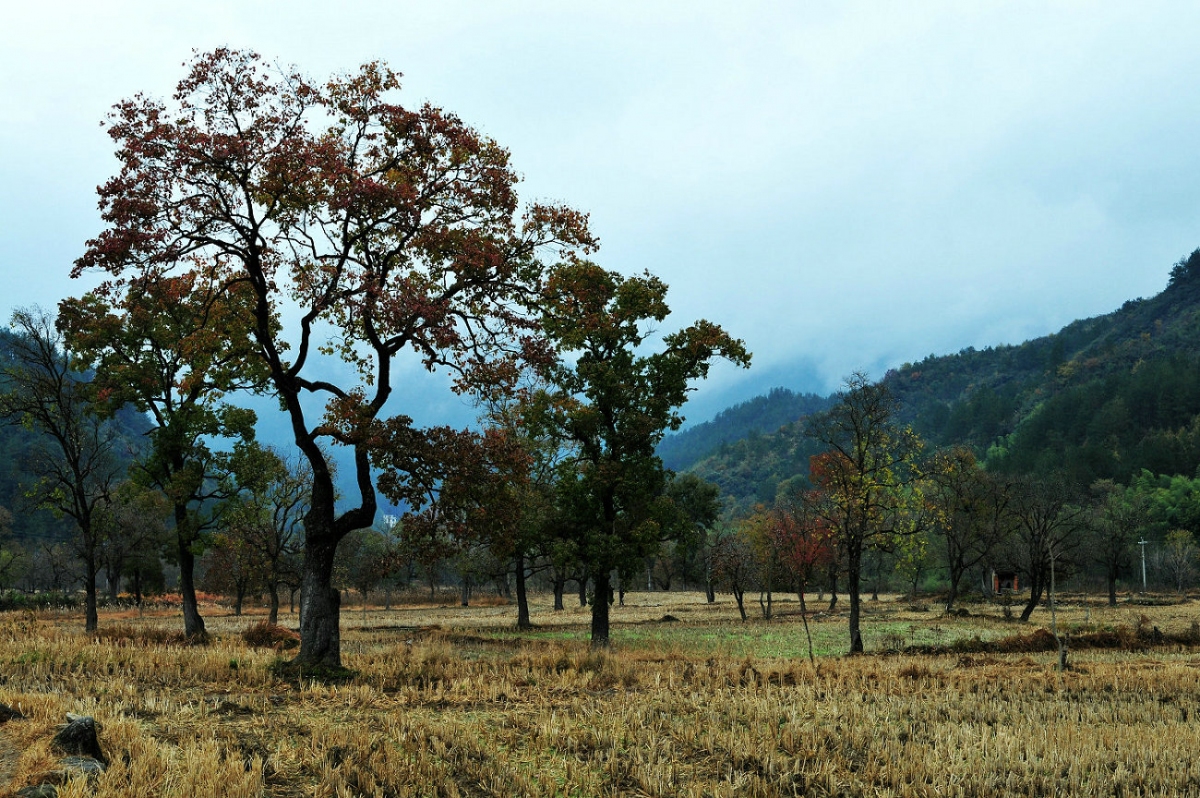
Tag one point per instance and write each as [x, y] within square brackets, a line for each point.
[7, 713]
[79, 738]
[38, 791]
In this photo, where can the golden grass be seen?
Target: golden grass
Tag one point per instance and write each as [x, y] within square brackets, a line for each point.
[447, 701]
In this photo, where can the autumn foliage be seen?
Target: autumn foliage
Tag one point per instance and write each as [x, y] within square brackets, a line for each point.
[385, 230]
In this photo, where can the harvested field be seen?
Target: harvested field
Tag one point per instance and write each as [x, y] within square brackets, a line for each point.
[451, 701]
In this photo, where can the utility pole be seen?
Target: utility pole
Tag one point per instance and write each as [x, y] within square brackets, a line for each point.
[1143, 543]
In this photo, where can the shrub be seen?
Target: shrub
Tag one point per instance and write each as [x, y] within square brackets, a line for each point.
[268, 635]
[48, 600]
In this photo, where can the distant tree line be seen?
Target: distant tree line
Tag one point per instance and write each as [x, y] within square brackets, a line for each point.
[877, 511]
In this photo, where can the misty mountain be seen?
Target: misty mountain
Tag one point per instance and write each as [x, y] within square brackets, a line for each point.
[1104, 397]
[765, 413]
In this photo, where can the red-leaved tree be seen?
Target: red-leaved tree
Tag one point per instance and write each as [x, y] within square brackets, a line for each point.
[363, 229]
[808, 548]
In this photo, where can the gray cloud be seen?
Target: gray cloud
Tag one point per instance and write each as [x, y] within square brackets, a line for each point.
[844, 185]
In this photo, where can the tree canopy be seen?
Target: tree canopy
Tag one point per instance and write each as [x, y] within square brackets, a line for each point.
[379, 229]
[613, 396]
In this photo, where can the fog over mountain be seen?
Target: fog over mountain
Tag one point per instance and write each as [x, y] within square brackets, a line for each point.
[845, 186]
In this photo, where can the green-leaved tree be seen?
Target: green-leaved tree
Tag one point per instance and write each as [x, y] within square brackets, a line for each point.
[612, 396]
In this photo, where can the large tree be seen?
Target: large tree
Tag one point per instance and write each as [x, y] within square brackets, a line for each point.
[864, 481]
[370, 229]
[613, 397]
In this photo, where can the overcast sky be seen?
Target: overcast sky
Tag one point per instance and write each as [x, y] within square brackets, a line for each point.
[843, 185]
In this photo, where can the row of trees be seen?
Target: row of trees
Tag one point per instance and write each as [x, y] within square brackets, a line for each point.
[524, 496]
[874, 497]
[134, 501]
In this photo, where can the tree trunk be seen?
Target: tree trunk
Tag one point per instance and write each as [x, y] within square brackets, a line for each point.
[710, 591]
[956, 572]
[273, 590]
[807, 634]
[522, 597]
[193, 624]
[766, 605]
[832, 591]
[112, 576]
[953, 594]
[1035, 596]
[583, 592]
[320, 605]
[740, 596]
[91, 620]
[1059, 639]
[854, 566]
[1112, 587]
[560, 587]
[600, 604]
[466, 592]
[239, 597]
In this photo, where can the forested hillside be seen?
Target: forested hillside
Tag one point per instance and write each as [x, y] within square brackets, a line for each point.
[1102, 398]
[761, 414]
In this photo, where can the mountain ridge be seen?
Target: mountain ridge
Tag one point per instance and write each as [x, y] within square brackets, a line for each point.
[1102, 397]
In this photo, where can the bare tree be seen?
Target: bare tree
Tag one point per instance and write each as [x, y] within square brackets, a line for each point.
[971, 512]
[52, 566]
[78, 458]
[1048, 533]
[1179, 557]
[734, 566]
[1119, 517]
